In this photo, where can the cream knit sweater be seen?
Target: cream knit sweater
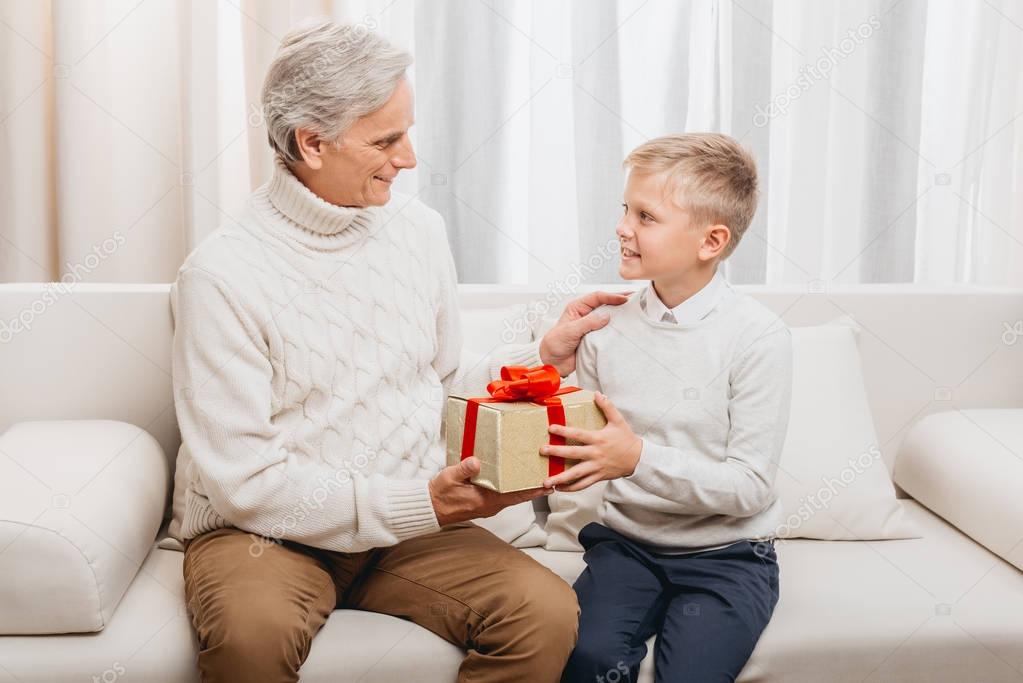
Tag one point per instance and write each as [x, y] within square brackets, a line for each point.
[314, 347]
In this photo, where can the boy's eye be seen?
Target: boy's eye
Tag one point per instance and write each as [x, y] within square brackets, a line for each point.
[645, 216]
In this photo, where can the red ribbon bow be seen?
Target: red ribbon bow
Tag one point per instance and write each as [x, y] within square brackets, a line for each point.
[519, 383]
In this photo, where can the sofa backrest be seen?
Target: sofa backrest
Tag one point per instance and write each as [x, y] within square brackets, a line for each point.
[103, 351]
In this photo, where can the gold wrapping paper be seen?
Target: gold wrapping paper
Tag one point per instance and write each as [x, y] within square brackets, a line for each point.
[509, 436]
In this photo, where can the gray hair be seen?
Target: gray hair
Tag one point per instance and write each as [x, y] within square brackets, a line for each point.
[324, 77]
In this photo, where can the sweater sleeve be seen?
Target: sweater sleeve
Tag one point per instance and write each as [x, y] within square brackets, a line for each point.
[463, 371]
[223, 379]
[743, 484]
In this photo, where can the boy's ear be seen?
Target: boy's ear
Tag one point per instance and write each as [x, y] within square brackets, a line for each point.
[714, 242]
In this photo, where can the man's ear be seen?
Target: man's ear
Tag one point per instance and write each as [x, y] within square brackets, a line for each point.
[715, 241]
[310, 146]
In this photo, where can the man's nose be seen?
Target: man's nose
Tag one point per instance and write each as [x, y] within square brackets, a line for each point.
[406, 156]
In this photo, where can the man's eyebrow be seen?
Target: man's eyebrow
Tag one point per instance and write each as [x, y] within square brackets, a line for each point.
[389, 136]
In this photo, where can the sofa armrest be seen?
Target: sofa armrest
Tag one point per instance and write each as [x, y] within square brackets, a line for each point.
[81, 502]
[967, 466]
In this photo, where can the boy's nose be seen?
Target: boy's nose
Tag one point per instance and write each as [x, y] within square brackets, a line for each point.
[622, 230]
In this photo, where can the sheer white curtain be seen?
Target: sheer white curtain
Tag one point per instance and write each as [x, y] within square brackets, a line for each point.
[888, 132]
[127, 131]
[905, 162]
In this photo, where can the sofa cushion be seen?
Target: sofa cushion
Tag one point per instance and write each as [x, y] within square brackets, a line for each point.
[82, 503]
[832, 480]
[966, 466]
[938, 608]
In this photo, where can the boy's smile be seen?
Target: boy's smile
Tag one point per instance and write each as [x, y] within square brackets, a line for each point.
[628, 253]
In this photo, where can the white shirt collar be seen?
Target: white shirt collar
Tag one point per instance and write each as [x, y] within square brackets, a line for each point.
[693, 309]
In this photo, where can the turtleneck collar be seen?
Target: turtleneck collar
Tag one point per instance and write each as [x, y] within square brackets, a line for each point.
[299, 214]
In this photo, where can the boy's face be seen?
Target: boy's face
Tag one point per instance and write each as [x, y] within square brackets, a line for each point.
[659, 241]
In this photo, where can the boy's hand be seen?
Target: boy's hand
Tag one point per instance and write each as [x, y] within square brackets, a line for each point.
[606, 453]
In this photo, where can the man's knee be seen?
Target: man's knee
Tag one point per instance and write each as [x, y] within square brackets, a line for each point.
[543, 609]
[253, 640]
[557, 604]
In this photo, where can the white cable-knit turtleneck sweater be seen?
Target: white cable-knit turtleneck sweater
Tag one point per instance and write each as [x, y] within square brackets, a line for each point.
[314, 347]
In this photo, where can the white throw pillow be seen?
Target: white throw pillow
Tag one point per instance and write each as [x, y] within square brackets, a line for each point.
[483, 330]
[823, 495]
[833, 482]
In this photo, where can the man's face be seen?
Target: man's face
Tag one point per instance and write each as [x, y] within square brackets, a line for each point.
[659, 241]
[359, 171]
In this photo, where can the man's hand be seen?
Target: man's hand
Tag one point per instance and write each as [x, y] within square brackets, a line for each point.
[456, 499]
[606, 453]
[558, 346]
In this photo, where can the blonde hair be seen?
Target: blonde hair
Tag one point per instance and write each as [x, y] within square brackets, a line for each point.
[712, 175]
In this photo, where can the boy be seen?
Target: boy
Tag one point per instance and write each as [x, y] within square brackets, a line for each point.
[701, 376]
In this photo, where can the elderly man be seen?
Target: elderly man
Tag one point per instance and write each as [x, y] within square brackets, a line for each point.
[314, 345]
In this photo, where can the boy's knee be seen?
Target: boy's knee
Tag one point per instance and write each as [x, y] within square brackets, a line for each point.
[596, 661]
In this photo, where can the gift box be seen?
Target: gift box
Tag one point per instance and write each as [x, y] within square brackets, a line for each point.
[506, 429]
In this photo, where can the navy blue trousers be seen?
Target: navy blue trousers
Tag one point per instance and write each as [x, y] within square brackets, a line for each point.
[707, 609]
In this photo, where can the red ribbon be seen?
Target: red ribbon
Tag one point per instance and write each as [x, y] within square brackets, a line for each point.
[538, 385]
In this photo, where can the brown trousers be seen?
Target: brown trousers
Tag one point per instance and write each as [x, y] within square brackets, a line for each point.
[256, 605]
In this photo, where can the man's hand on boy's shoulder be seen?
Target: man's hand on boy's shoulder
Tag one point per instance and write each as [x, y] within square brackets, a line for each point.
[607, 453]
[579, 318]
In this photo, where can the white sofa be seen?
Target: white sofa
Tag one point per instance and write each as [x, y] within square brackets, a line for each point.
[943, 607]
